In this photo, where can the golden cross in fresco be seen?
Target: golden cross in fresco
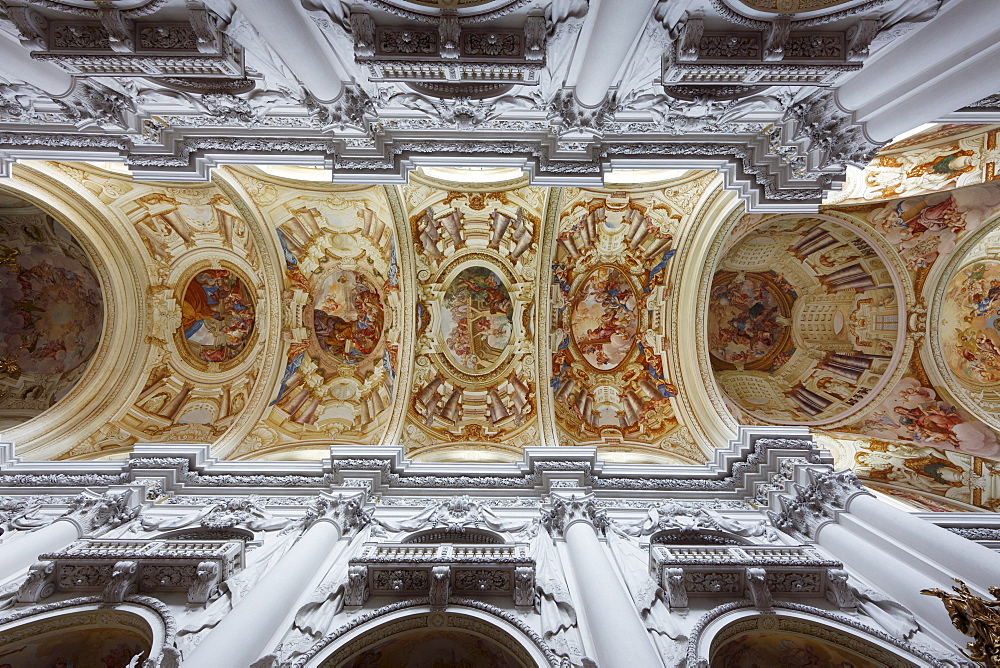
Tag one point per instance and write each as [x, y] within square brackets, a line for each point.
[975, 617]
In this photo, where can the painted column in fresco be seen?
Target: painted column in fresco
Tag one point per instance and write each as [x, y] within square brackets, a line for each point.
[958, 557]
[248, 630]
[619, 635]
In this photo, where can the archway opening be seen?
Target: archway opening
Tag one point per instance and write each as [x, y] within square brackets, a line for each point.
[445, 648]
[104, 638]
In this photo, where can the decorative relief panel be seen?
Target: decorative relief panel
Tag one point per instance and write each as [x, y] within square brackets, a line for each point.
[610, 310]
[477, 266]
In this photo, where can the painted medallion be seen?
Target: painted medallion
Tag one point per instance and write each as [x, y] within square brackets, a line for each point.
[969, 330]
[604, 319]
[748, 318]
[347, 316]
[217, 315]
[477, 319]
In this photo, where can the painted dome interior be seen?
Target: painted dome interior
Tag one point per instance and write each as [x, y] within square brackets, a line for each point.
[50, 298]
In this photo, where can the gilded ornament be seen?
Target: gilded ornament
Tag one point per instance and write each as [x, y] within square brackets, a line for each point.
[975, 617]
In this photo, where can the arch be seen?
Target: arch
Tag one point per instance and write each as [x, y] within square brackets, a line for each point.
[474, 618]
[140, 619]
[732, 621]
[115, 367]
[208, 533]
[699, 537]
[455, 535]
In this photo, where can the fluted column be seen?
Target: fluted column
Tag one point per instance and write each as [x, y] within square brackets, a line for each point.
[243, 635]
[620, 637]
[17, 62]
[609, 35]
[297, 42]
[937, 69]
[89, 514]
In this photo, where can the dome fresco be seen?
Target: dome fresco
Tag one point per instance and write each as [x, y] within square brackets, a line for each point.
[970, 336]
[52, 310]
[802, 321]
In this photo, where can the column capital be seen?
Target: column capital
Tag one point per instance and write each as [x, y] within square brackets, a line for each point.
[347, 512]
[818, 503]
[567, 511]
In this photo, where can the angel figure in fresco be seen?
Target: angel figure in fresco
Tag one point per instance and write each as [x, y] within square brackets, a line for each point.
[930, 421]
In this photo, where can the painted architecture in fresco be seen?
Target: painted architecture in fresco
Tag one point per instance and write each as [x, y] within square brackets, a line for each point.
[609, 300]
[51, 310]
[476, 259]
[416, 315]
[803, 321]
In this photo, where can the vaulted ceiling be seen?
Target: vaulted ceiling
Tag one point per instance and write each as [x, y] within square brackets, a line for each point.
[466, 227]
[468, 314]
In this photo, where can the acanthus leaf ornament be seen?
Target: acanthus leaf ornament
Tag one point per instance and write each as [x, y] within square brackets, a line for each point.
[564, 512]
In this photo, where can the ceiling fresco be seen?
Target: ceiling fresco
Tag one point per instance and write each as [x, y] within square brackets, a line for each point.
[51, 306]
[341, 312]
[476, 266]
[610, 316]
[467, 315]
[803, 321]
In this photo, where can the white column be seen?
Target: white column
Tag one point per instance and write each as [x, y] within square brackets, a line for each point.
[16, 63]
[930, 73]
[619, 635]
[608, 36]
[243, 635]
[21, 551]
[297, 42]
[900, 581]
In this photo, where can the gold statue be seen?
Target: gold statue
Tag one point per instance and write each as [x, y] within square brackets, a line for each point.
[975, 617]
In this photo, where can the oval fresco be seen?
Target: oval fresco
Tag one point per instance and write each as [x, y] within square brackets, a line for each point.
[969, 332]
[748, 319]
[218, 315]
[347, 316]
[603, 319]
[477, 318]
